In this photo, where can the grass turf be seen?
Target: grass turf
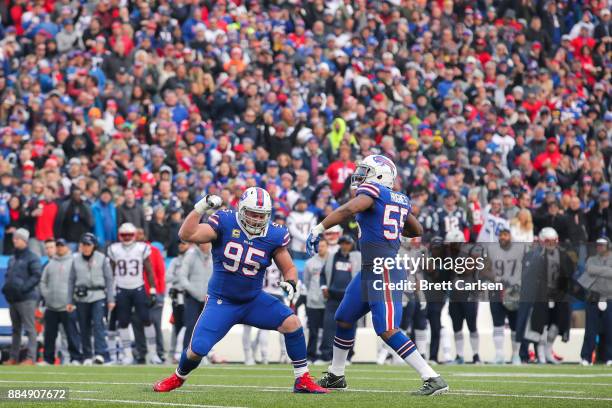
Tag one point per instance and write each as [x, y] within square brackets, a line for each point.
[270, 386]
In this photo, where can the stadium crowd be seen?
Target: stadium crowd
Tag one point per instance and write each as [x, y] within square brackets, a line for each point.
[116, 111]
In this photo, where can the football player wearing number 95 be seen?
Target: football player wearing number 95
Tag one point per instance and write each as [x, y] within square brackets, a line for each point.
[244, 243]
[384, 220]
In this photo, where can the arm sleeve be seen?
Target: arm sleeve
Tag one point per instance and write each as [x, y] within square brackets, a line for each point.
[108, 280]
[146, 252]
[368, 189]
[599, 270]
[171, 274]
[286, 239]
[35, 274]
[183, 272]
[216, 221]
[323, 276]
[71, 280]
[110, 254]
[307, 272]
[43, 282]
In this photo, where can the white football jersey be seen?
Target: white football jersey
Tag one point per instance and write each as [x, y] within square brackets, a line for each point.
[299, 225]
[129, 263]
[272, 280]
[507, 264]
[490, 228]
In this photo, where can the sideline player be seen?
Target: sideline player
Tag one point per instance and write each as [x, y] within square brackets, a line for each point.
[128, 259]
[383, 216]
[244, 243]
[506, 264]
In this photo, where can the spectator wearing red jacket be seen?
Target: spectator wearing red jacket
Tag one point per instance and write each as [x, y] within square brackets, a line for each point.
[45, 215]
[340, 170]
[549, 158]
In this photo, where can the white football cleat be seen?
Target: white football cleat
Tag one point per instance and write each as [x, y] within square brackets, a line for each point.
[249, 361]
[128, 359]
[98, 359]
[516, 360]
[153, 358]
[585, 363]
[609, 363]
[87, 362]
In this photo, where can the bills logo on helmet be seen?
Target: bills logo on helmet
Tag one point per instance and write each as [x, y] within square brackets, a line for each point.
[382, 160]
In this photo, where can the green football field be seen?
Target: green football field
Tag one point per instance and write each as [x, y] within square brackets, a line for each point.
[270, 387]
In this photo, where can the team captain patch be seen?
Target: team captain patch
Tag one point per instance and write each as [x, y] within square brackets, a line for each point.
[235, 233]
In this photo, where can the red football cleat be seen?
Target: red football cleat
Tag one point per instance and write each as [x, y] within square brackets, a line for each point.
[168, 384]
[306, 384]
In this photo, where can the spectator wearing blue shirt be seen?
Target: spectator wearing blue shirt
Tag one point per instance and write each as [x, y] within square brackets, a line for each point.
[105, 218]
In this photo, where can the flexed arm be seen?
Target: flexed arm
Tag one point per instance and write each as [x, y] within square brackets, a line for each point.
[192, 230]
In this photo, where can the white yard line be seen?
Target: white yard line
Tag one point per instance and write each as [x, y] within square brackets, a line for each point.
[389, 369]
[463, 379]
[287, 389]
[529, 375]
[164, 403]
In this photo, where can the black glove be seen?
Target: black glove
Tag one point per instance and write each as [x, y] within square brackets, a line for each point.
[152, 299]
[173, 292]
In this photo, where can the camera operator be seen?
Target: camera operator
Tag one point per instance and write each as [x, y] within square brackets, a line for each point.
[91, 285]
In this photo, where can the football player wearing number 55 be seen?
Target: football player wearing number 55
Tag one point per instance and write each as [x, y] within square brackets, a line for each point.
[244, 244]
[384, 218]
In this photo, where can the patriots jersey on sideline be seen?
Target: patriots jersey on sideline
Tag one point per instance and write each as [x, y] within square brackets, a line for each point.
[272, 280]
[445, 221]
[380, 226]
[129, 263]
[240, 260]
[507, 264]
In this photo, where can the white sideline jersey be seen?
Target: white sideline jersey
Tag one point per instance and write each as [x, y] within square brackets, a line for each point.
[129, 263]
[490, 228]
[271, 283]
[299, 225]
[507, 264]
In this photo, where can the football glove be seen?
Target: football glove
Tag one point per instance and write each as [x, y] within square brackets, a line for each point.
[209, 202]
[290, 288]
[152, 297]
[312, 242]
